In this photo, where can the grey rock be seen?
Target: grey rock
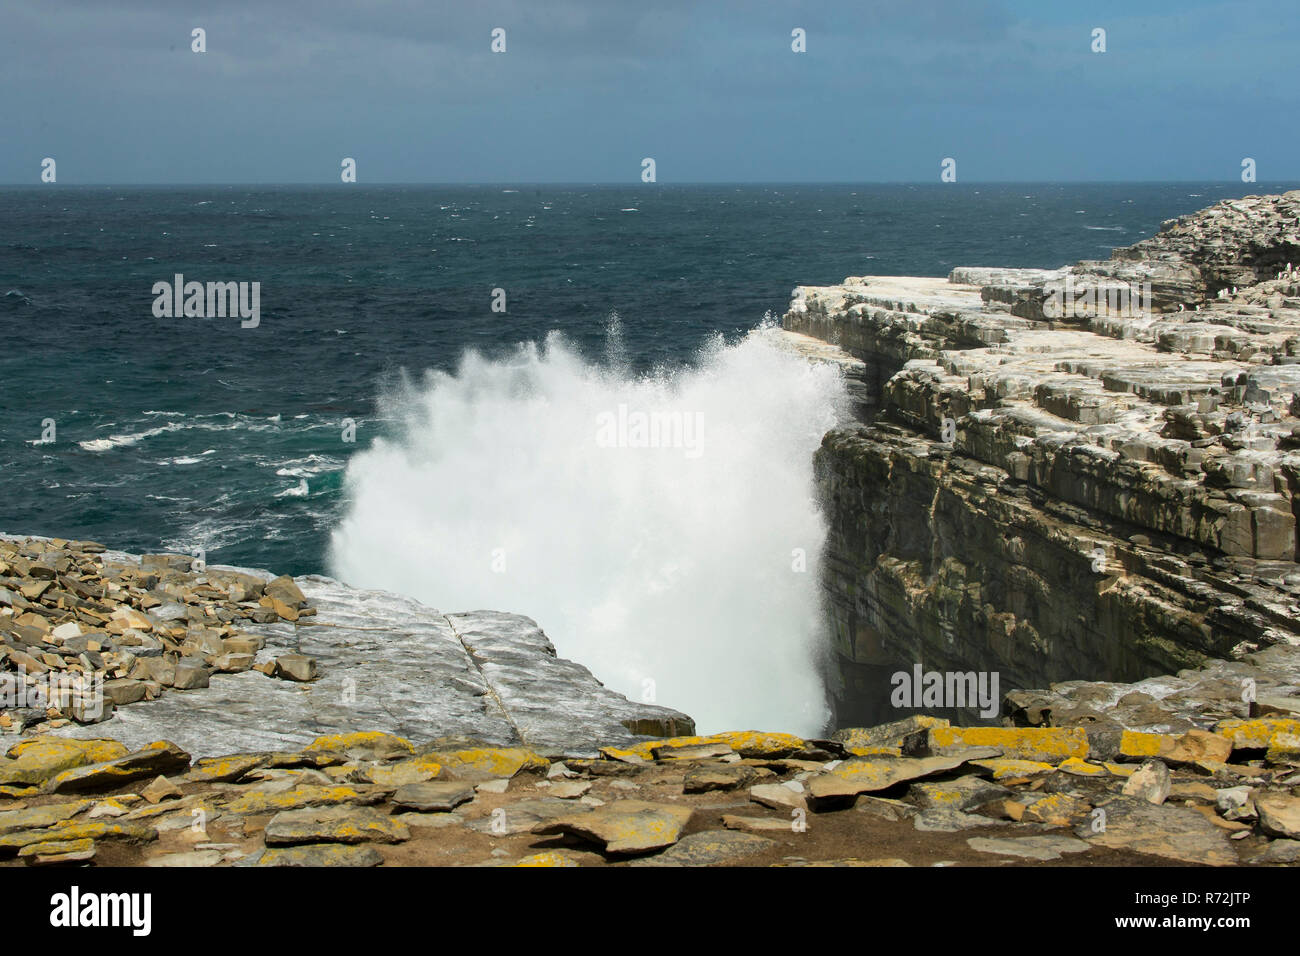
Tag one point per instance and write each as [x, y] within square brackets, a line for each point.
[946, 820]
[1280, 851]
[392, 664]
[1172, 832]
[1044, 847]
[710, 848]
[430, 796]
[523, 815]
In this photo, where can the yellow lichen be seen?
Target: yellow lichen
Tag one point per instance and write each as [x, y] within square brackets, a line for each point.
[1255, 733]
[1025, 743]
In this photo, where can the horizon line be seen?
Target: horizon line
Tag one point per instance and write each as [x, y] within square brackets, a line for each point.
[701, 182]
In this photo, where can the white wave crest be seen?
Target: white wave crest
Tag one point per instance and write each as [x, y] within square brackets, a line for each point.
[685, 574]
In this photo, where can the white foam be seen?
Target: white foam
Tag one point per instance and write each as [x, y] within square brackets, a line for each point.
[123, 441]
[659, 568]
[297, 491]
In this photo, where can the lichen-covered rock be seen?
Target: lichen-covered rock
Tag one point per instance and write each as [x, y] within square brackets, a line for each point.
[305, 795]
[161, 757]
[871, 741]
[334, 825]
[35, 818]
[484, 763]
[326, 854]
[58, 852]
[1256, 733]
[370, 745]
[709, 848]
[624, 826]
[35, 760]
[1044, 745]
[871, 774]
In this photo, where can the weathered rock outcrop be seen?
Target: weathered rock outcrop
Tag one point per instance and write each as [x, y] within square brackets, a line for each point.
[1055, 482]
[156, 648]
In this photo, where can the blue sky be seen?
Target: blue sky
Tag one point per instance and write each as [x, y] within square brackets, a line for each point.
[587, 88]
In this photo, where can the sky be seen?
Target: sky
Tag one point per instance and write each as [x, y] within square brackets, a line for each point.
[586, 89]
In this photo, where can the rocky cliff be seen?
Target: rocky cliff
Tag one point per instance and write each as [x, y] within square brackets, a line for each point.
[1081, 473]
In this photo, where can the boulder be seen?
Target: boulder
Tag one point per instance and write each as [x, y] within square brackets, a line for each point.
[1151, 782]
[1279, 814]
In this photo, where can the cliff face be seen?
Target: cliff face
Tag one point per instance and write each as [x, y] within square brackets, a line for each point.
[1051, 483]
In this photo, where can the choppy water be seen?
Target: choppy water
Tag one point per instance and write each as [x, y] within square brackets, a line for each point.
[197, 433]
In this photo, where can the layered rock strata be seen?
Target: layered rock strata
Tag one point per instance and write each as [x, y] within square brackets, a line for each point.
[1082, 473]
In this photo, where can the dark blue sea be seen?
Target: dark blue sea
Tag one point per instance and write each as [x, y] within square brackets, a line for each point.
[177, 433]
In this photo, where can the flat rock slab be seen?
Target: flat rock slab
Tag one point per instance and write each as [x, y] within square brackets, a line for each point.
[58, 853]
[159, 758]
[692, 752]
[624, 826]
[328, 854]
[709, 849]
[1030, 848]
[722, 777]
[195, 858]
[73, 830]
[36, 818]
[300, 796]
[226, 769]
[432, 797]
[390, 663]
[431, 821]
[757, 824]
[1172, 832]
[35, 760]
[488, 763]
[568, 789]
[1042, 744]
[779, 796]
[334, 825]
[524, 815]
[947, 820]
[870, 774]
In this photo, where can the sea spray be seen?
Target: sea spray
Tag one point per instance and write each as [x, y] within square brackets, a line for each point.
[680, 573]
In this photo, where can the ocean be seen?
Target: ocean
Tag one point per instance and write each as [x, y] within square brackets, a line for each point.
[415, 408]
[182, 433]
